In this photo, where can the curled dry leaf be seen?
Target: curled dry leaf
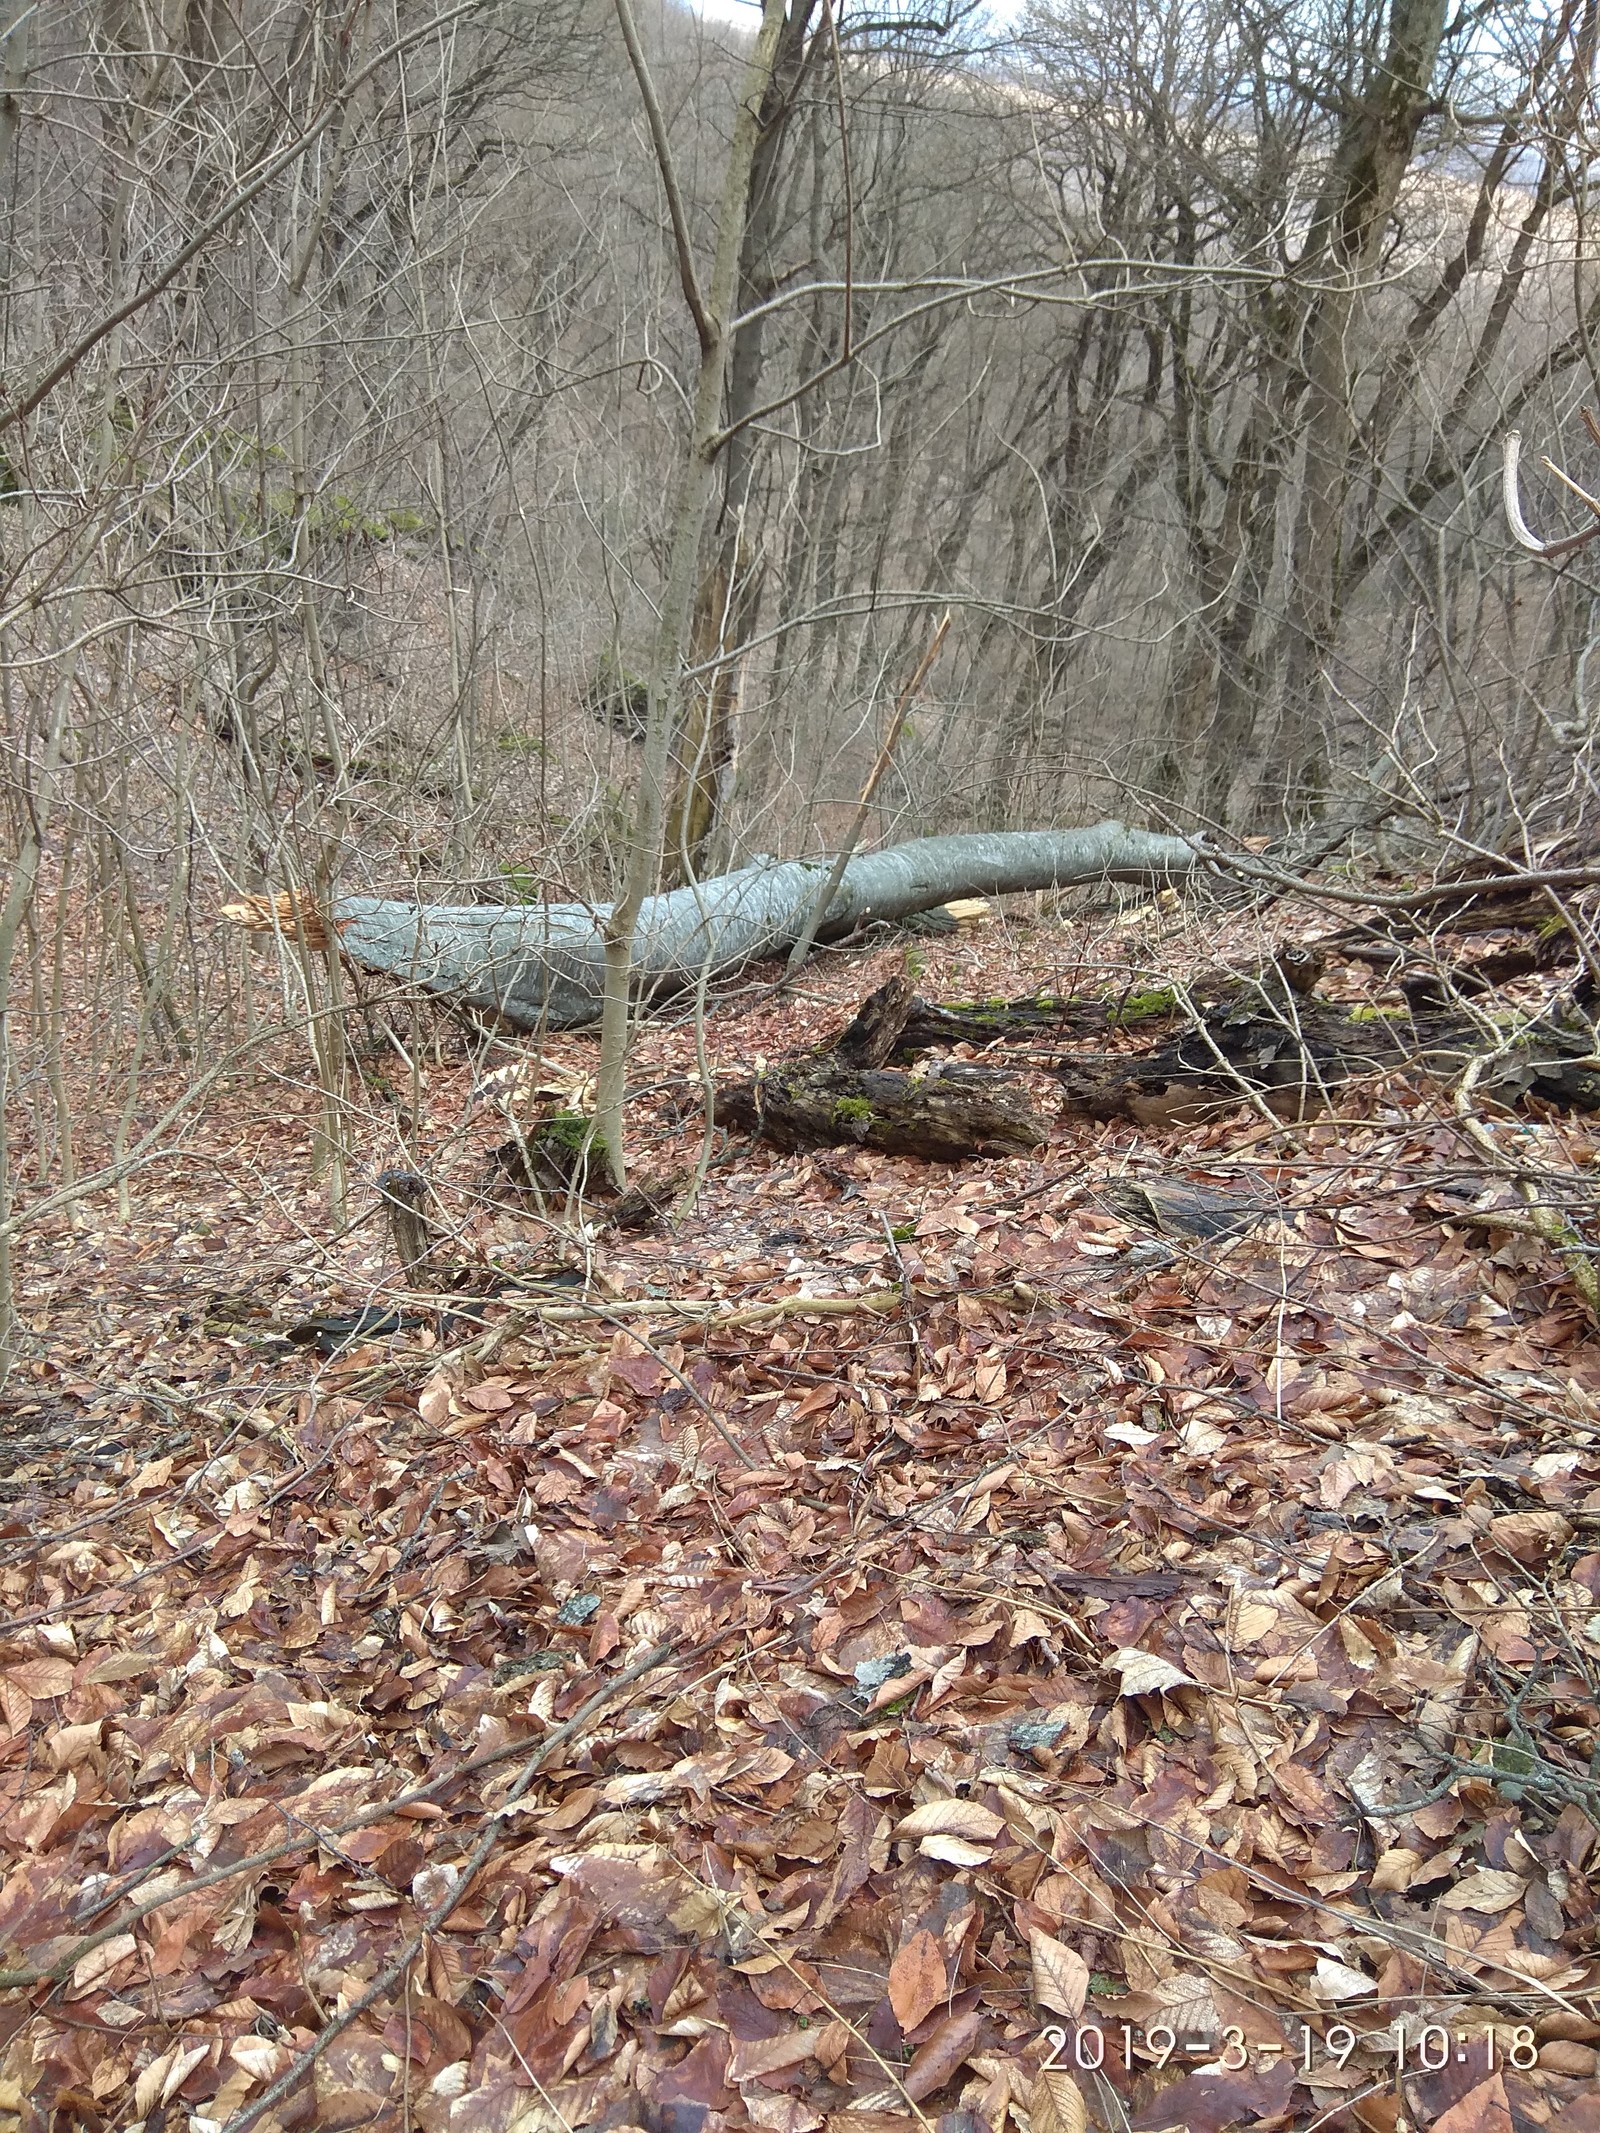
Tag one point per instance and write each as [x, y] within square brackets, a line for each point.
[99, 1963]
[951, 1818]
[163, 2078]
[955, 1851]
[1339, 1981]
[1529, 1536]
[259, 2057]
[1146, 1673]
[832, 2046]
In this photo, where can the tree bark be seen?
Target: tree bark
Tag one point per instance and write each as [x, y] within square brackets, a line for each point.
[543, 965]
[1377, 141]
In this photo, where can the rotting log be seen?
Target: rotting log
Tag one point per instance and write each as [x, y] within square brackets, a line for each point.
[1292, 1062]
[820, 1104]
[845, 1094]
[542, 965]
[928, 1025]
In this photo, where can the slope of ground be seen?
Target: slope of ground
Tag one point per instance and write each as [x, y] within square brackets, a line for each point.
[1106, 1638]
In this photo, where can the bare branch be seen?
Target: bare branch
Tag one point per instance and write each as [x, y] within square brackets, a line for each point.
[212, 227]
[656, 120]
[1521, 532]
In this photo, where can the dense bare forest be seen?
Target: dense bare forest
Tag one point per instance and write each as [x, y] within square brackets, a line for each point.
[371, 453]
[987, 1530]
[403, 402]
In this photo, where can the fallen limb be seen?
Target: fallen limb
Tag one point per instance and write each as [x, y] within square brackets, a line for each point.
[542, 965]
[1442, 895]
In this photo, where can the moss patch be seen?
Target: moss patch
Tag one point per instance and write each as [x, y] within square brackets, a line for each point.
[852, 1111]
[1143, 1006]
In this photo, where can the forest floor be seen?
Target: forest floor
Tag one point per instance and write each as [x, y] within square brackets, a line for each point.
[906, 1647]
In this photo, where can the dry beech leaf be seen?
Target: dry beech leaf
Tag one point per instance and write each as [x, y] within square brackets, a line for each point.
[163, 2078]
[952, 1818]
[101, 1961]
[832, 2045]
[121, 1666]
[1146, 1673]
[433, 1402]
[944, 2051]
[154, 1474]
[918, 1980]
[1338, 1981]
[749, 2060]
[42, 1678]
[1056, 2105]
[1529, 1536]
[260, 2058]
[75, 1744]
[147, 2089]
[1395, 1870]
[1490, 1890]
[1060, 1976]
[1484, 2109]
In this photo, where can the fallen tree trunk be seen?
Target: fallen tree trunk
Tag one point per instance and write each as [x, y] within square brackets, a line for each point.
[542, 965]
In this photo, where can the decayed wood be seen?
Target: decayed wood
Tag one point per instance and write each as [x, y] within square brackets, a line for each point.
[874, 1034]
[1292, 1062]
[846, 1094]
[822, 1105]
[931, 1024]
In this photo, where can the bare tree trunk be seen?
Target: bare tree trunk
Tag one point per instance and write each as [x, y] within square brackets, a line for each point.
[712, 315]
[1352, 218]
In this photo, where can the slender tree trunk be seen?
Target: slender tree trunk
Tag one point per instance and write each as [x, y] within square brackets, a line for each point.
[728, 597]
[696, 490]
[1352, 218]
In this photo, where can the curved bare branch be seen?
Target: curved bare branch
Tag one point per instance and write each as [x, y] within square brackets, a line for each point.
[1521, 532]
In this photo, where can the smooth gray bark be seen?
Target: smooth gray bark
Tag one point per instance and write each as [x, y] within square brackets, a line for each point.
[543, 965]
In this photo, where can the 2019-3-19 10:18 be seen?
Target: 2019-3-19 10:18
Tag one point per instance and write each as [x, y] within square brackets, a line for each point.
[1088, 2047]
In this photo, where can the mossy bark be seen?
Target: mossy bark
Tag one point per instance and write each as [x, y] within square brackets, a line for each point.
[822, 1104]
